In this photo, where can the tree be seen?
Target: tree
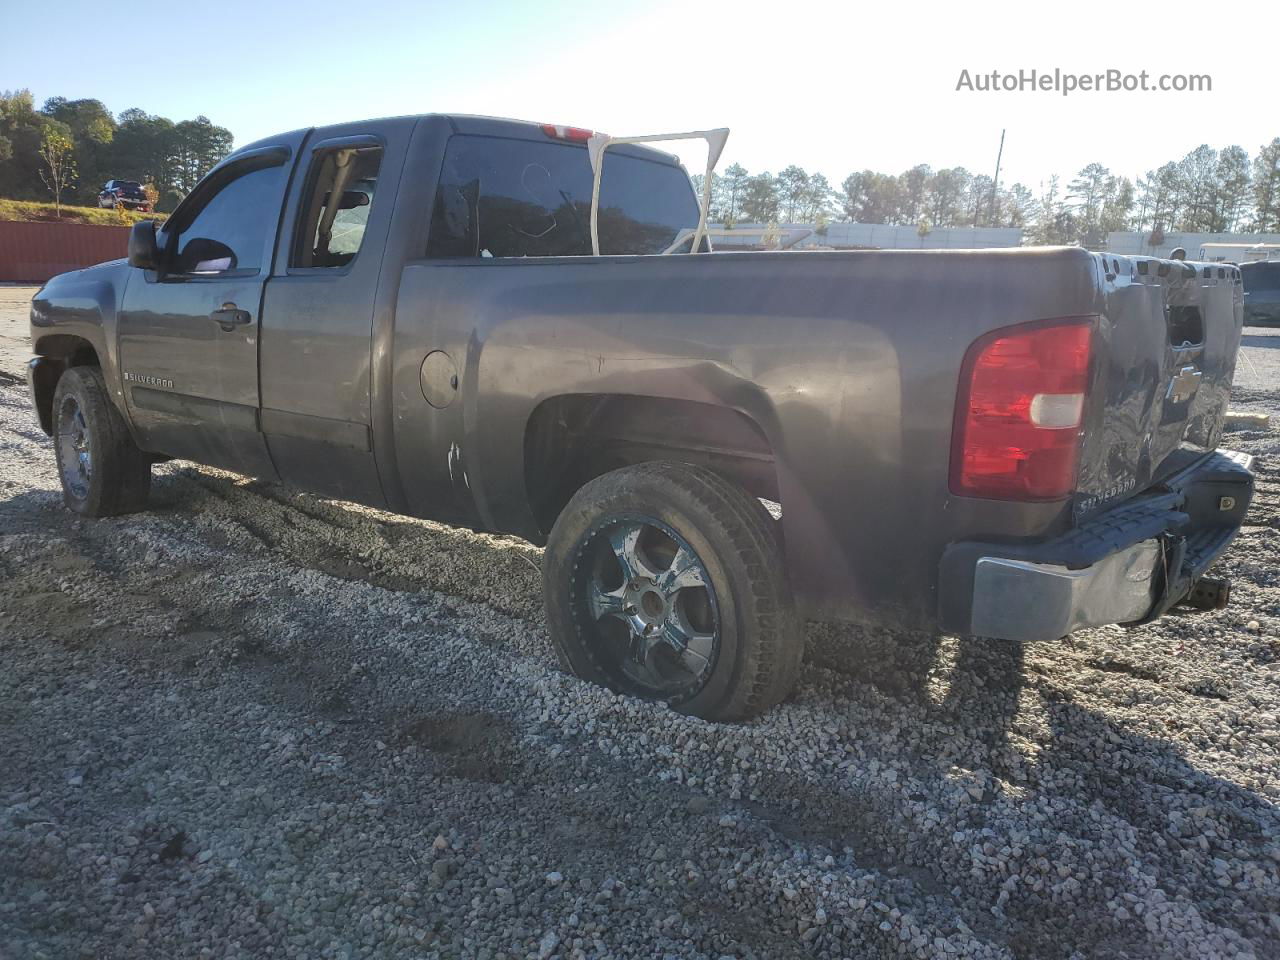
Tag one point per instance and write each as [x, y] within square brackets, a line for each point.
[92, 131]
[793, 186]
[199, 144]
[57, 157]
[945, 194]
[1117, 206]
[1054, 222]
[1266, 188]
[144, 148]
[134, 146]
[1017, 206]
[978, 201]
[1160, 197]
[1233, 184]
[817, 200]
[1086, 194]
[861, 197]
[21, 128]
[760, 199]
[910, 188]
[1197, 185]
[732, 184]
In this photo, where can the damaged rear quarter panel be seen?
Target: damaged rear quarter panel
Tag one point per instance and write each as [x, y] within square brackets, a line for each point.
[847, 362]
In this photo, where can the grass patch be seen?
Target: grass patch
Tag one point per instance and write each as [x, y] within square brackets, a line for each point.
[36, 211]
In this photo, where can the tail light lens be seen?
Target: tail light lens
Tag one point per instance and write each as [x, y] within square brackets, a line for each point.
[1019, 411]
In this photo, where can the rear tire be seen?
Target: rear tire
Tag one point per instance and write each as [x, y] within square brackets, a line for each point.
[708, 623]
[103, 472]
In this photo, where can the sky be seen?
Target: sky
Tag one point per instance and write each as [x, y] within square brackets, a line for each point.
[833, 87]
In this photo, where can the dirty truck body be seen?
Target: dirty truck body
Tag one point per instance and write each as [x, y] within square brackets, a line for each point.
[1008, 444]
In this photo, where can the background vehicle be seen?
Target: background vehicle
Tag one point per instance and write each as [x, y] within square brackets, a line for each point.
[1261, 292]
[1006, 443]
[1239, 252]
[124, 193]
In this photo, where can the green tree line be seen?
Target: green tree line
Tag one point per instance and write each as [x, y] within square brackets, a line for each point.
[1207, 191]
[94, 146]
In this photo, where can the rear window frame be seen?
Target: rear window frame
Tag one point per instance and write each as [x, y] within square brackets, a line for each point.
[628, 152]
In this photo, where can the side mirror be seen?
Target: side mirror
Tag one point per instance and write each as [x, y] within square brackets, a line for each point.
[143, 252]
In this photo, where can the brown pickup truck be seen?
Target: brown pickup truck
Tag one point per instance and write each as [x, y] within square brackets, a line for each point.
[412, 313]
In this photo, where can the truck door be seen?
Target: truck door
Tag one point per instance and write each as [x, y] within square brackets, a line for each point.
[320, 306]
[188, 336]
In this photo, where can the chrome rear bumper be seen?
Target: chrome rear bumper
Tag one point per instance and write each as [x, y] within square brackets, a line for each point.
[1129, 565]
[1021, 600]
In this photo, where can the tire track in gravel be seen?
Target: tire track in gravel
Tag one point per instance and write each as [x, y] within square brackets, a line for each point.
[360, 543]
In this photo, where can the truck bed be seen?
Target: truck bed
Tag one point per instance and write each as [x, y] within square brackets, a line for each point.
[841, 369]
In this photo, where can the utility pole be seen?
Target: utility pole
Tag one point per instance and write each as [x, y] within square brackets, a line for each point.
[995, 181]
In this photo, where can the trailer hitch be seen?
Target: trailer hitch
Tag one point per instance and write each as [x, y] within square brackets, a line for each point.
[1208, 593]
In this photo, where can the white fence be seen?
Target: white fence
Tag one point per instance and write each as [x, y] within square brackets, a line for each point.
[876, 235]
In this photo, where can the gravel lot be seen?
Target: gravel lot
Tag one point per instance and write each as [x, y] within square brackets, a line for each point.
[253, 723]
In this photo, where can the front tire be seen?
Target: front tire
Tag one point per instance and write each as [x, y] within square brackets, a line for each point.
[664, 581]
[103, 472]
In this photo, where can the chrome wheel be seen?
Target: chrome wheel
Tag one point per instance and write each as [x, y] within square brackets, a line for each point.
[74, 456]
[643, 598]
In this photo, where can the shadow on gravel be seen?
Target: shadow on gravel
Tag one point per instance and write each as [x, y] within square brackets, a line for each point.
[476, 744]
[1254, 340]
[1186, 823]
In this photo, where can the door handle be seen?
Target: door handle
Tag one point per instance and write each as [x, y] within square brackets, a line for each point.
[229, 316]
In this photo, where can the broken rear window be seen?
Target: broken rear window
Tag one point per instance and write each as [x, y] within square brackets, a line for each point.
[501, 197]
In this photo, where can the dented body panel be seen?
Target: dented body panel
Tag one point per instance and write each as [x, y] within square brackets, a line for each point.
[481, 391]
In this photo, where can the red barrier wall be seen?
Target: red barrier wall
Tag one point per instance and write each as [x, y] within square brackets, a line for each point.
[34, 252]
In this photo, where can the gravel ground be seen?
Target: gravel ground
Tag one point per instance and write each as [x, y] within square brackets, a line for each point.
[252, 723]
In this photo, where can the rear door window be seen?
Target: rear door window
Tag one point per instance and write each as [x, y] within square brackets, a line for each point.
[339, 194]
[501, 197]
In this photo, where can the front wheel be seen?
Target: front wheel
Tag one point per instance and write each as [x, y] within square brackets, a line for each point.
[103, 472]
[663, 581]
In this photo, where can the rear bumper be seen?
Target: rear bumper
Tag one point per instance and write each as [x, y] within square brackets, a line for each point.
[1129, 565]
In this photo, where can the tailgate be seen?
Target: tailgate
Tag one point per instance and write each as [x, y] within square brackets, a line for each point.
[1166, 355]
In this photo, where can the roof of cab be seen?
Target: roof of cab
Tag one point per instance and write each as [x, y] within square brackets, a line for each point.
[484, 127]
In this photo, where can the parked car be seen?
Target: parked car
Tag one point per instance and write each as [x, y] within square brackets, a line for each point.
[1261, 293]
[712, 447]
[124, 193]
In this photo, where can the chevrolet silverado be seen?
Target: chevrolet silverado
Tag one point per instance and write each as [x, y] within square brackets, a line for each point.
[448, 317]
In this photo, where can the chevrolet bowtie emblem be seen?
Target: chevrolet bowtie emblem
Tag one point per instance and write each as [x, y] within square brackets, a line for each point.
[1184, 384]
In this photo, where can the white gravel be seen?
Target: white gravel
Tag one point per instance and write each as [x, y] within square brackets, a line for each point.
[251, 723]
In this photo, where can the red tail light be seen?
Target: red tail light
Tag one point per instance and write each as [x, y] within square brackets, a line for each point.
[1019, 411]
[572, 134]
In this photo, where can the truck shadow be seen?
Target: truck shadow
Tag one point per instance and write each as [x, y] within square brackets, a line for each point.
[1261, 340]
[1025, 737]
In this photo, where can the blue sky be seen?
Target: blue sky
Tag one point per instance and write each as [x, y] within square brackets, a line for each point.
[832, 86]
